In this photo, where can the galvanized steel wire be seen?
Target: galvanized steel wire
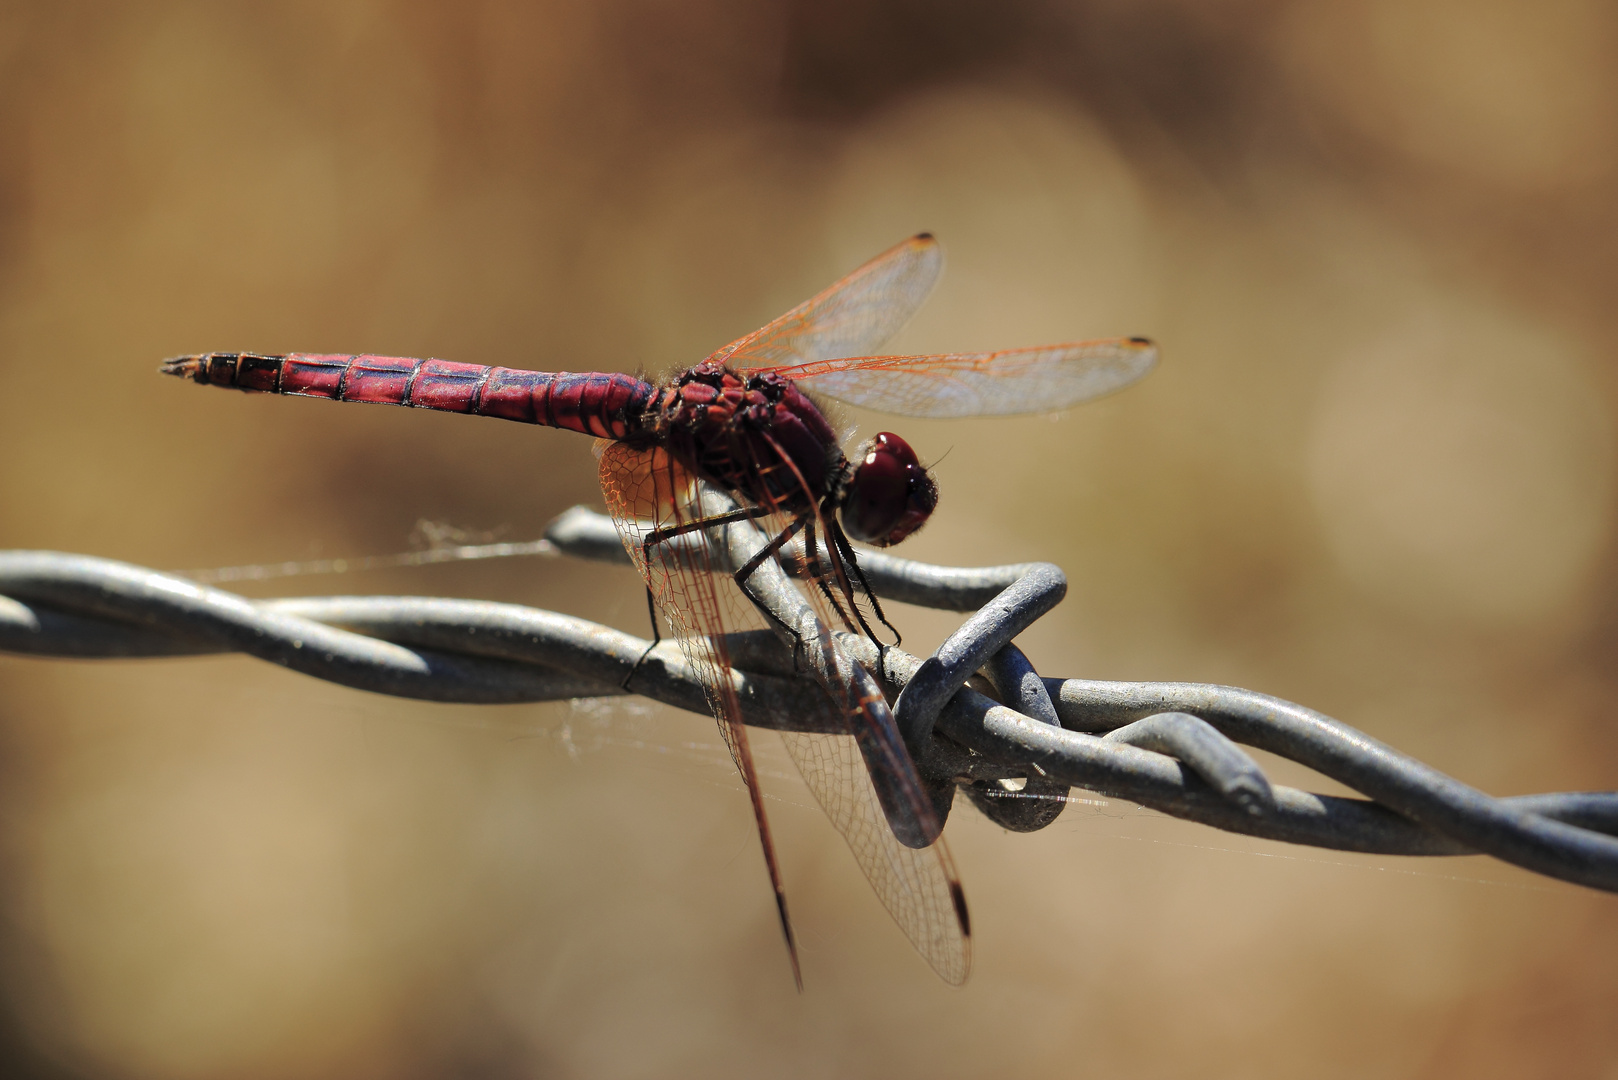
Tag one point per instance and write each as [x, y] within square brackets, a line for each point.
[1174, 747]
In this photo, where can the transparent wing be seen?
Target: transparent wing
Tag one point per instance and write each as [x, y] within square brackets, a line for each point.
[1041, 378]
[646, 490]
[919, 887]
[852, 317]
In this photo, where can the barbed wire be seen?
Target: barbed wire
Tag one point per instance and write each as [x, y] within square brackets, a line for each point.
[1173, 747]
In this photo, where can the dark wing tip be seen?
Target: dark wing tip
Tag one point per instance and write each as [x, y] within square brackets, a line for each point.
[1141, 341]
[957, 896]
[925, 237]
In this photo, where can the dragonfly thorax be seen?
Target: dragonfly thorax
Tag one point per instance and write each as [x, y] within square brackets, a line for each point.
[760, 435]
[756, 434]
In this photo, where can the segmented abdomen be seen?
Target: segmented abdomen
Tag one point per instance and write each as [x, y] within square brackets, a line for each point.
[595, 403]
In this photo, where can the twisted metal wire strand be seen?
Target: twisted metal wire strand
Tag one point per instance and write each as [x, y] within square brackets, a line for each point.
[1168, 746]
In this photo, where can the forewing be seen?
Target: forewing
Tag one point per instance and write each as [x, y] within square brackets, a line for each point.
[919, 887]
[853, 317]
[1041, 378]
[647, 490]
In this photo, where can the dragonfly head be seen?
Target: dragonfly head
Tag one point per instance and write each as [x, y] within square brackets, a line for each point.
[889, 495]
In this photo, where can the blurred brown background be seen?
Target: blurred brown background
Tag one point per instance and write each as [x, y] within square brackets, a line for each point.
[1374, 473]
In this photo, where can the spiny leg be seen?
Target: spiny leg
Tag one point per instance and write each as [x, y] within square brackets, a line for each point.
[662, 536]
[837, 603]
[806, 521]
[657, 636]
[768, 551]
[849, 561]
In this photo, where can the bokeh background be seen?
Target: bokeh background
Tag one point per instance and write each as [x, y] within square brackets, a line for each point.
[1376, 239]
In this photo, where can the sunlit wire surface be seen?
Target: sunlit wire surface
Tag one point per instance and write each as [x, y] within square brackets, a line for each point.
[1168, 745]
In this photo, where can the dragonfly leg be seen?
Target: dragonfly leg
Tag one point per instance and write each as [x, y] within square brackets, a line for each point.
[663, 536]
[657, 636]
[842, 560]
[846, 551]
[811, 558]
[768, 551]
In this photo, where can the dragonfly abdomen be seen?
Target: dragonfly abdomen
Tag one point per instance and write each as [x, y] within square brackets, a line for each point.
[604, 404]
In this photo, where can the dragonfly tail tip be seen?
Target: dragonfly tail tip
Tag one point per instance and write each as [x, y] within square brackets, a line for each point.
[185, 367]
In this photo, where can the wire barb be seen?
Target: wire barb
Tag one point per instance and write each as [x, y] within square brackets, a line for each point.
[1173, 747]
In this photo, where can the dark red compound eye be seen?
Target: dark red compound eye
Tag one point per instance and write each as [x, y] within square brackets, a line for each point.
[890, 496]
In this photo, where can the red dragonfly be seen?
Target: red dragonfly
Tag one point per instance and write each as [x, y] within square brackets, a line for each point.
[740, 424]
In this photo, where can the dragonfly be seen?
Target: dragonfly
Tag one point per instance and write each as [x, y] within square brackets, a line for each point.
[741, 441]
